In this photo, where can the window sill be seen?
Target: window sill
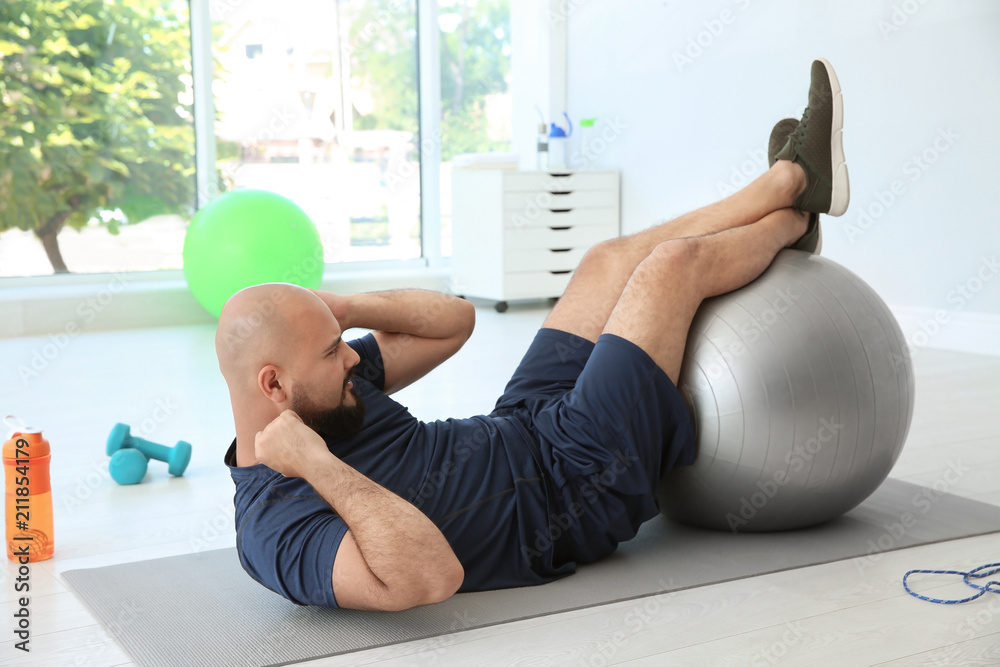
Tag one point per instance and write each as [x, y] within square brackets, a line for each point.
[70, 304]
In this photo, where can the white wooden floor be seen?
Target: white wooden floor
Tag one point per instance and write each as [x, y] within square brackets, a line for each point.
[165, 382]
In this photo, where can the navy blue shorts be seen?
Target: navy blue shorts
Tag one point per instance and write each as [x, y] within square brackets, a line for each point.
[608, 423]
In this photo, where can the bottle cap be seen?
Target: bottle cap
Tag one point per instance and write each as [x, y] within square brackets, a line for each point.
[39, 445]
[559, 132]
[18, 426]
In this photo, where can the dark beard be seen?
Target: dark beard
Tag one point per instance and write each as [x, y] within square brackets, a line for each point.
[343, 421]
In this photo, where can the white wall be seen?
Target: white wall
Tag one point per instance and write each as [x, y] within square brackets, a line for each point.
[911, 72]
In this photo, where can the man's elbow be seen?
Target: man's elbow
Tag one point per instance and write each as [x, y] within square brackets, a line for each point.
[438, 589]
[448, 584]
[444, 584]
[467, 318]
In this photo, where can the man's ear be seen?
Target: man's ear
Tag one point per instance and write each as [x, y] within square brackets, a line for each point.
[270, 385]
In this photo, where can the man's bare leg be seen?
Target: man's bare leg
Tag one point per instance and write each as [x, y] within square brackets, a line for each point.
[598, 281]
[663, 293]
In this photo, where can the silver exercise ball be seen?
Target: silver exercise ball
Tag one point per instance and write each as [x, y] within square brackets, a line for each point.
[801, 388]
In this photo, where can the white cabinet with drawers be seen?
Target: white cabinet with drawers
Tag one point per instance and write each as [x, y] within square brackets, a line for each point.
[520, 234]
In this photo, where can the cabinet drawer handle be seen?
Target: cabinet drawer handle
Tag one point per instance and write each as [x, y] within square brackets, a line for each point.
[559, 249]
[559, 175]
[561, 193]
[560, 210]
[560, 273]
[560, 229]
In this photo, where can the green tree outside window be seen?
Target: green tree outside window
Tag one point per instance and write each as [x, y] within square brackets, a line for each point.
[91, 115]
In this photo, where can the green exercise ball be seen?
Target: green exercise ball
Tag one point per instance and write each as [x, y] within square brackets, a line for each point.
[248, 237]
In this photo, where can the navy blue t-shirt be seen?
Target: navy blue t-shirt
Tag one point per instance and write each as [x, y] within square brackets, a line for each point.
[477, 479]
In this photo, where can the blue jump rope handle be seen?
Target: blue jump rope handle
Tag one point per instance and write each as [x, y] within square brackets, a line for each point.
[976, 573]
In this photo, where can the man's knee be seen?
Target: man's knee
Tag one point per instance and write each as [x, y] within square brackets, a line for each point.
[675, 256]
[605, 255]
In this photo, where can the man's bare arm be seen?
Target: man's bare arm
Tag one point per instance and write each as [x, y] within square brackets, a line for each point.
[393, 557]
[416, 329]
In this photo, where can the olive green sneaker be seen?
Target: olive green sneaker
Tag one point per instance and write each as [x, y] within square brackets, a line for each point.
[812, 240]
[779, 137]
[817, 145]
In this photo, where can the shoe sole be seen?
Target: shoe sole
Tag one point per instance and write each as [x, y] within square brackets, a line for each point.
[840, 190]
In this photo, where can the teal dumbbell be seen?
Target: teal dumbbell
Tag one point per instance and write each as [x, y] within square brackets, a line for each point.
[176, 457]
[128, 466]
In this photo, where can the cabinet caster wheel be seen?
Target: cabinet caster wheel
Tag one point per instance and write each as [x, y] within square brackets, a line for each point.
[501, 306]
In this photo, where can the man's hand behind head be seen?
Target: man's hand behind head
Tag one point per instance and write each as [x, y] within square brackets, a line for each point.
[338, 305]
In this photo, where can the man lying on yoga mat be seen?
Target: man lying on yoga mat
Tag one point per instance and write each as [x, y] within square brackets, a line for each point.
[345, 499]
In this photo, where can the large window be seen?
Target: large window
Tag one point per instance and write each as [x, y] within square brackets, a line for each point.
[317, 100]
[314, 99]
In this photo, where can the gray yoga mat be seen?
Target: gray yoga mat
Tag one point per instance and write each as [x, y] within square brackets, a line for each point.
[203, 609]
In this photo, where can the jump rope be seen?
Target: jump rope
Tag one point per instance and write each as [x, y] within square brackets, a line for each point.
[980, 572]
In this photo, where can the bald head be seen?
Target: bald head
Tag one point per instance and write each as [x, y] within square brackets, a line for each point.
[262, 325]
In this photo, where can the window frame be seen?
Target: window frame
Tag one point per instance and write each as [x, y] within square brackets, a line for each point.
[428, 130]
[429, 123]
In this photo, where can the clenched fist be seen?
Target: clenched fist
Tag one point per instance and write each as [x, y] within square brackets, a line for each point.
[288, 446]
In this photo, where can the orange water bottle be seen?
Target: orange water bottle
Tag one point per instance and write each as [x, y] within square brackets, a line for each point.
[28, 504]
